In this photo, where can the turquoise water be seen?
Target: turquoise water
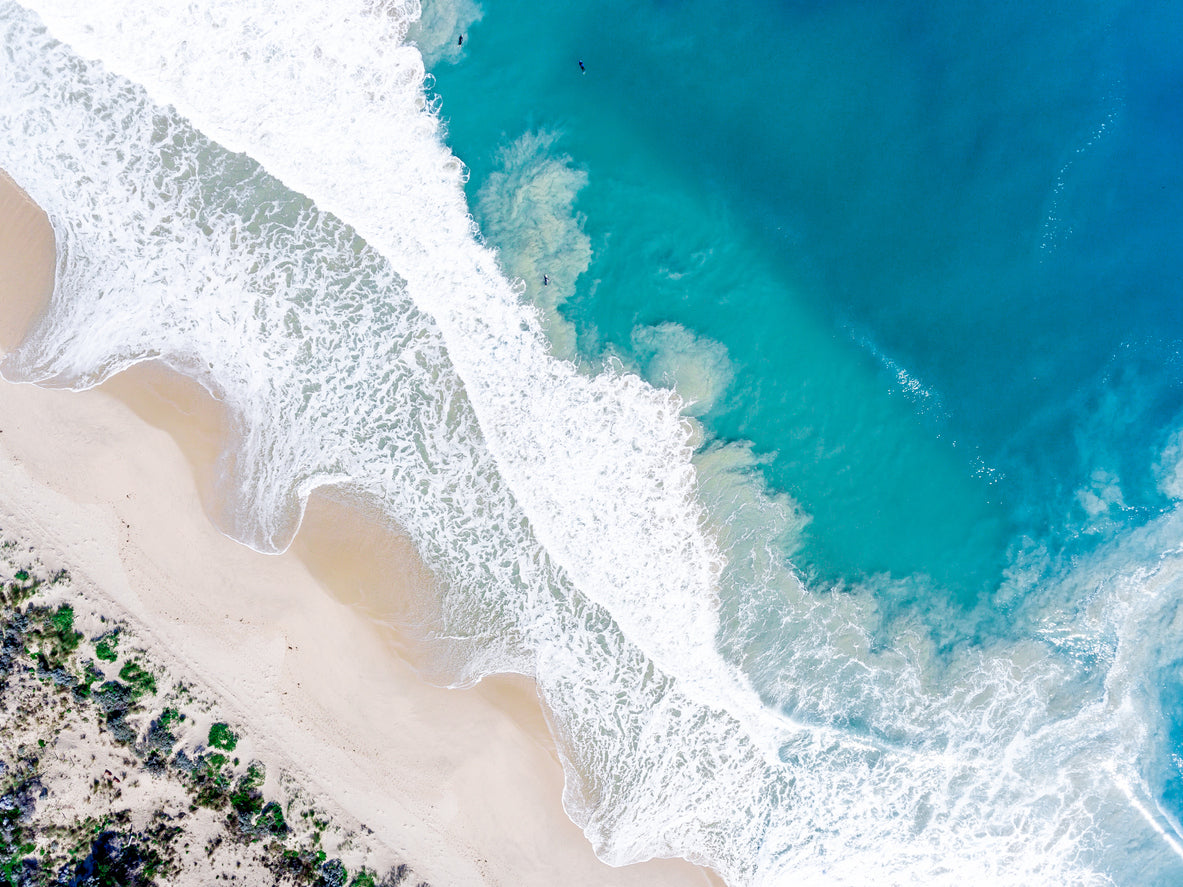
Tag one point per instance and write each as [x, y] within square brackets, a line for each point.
[937, 244]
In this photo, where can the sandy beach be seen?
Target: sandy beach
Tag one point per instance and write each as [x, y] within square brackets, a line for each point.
[115, 484]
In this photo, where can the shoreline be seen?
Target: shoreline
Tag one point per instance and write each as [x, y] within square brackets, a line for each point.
[116, 484]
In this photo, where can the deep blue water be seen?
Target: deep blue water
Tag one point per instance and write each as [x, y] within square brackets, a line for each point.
[979, 196]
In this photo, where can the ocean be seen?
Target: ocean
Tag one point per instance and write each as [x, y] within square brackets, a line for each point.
[792, 390]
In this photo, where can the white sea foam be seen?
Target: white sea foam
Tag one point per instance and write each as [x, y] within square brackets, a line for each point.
[577, 536]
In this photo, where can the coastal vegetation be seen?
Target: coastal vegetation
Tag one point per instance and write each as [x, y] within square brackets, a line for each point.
[110, 776]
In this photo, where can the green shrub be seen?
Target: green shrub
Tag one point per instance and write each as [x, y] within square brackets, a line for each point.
[221, 736]
[138, 679]
[105, 648]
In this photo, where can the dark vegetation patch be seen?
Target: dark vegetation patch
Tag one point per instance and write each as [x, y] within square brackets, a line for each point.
[105, 647]
[221, 736]
[140, 681]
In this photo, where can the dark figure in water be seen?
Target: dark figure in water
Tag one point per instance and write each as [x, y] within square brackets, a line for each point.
[460, 40]
[545, 280]
[581, 68]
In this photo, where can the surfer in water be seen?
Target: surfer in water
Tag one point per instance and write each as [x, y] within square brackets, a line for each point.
[545, 280]
[460, 40]
[582, 69]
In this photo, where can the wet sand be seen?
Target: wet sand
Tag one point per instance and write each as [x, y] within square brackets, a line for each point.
[313, 649]
[27, 259]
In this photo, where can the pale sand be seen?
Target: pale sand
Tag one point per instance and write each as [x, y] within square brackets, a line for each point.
[115, 485]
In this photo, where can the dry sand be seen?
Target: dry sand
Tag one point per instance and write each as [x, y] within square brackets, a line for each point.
[114, 484]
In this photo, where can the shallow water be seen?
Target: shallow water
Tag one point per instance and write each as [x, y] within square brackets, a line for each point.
[899, 596]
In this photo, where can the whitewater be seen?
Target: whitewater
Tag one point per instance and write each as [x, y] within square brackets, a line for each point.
[259, 196]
